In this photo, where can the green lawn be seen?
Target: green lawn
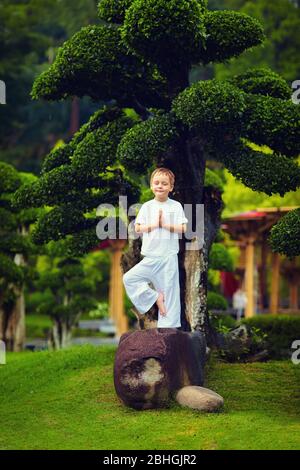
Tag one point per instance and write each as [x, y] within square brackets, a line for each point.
[66, 400]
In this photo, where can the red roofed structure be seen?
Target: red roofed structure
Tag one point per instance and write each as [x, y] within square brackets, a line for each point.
[261, 272]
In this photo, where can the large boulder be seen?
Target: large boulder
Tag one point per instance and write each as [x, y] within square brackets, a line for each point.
[152, 365]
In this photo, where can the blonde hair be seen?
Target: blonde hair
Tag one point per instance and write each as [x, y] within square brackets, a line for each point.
[163, 171]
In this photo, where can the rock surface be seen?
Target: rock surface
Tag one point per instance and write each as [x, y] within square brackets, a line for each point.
[199, 398]
[152, 365]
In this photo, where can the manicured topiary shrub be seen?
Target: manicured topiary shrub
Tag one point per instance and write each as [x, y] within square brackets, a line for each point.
[112, 11]
[147, 142]
[196, 106]
[216, 301]
[262, 81]
[285, 235]
[219, 258]
[228, 34]
[172, 41]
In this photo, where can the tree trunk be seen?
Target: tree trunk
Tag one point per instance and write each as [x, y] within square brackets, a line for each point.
[75, 117]
[13, 318]
[15, 329]
[60, 336]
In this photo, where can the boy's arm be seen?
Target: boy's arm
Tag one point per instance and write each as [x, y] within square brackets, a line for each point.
[142, 228]
[178, 228]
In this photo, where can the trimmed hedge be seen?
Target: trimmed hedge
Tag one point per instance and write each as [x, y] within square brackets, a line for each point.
[281, 331]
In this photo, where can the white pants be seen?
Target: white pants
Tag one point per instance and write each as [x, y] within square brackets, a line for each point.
[164, 275]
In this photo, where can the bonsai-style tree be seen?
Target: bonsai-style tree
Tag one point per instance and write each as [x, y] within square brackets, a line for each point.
[15, 249]
[68, 294]
[140, 57]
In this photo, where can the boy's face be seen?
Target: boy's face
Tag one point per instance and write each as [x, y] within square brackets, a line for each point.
[161, 186]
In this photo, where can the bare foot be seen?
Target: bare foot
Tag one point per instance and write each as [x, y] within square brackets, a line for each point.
[161, 305]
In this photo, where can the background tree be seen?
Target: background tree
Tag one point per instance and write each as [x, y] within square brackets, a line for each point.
[15, 249]
[141, 58]
[31, 32]
[68, 294]
[281, 49]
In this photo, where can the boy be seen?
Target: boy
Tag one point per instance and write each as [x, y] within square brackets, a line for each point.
[160, 220]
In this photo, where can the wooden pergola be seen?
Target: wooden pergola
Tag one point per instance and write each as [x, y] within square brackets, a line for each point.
[250, 230]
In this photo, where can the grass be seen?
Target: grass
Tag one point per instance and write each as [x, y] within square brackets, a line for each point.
[66, 400]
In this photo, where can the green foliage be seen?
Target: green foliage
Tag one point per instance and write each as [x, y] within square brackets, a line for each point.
[58, 184]
[104, 128]
[285, 235]
[69, 293]
[57, 157]
[169, 34]
[222, 323]
[14, 240]
[9, 178]
[213, 180]
[239, 198]
[147, 141]
[58, 223]
[219, 258]
[197, 106]
[82, 242]
[220, 237]
[262, 81]
[96, 55]
[9, 273]
[32, 31]
[100, 118]
[100, 311]
[242, 348]
[93, 55]
[216, 301]
[273, 122]
[280, 51]
[281, 331]
[98, 149]
[113, 11]
[270, 173]
[229, 33]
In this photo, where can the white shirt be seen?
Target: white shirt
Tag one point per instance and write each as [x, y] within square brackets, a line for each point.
[160, 241]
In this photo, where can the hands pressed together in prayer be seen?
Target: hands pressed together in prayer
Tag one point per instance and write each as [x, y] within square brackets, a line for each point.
[160, 223]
